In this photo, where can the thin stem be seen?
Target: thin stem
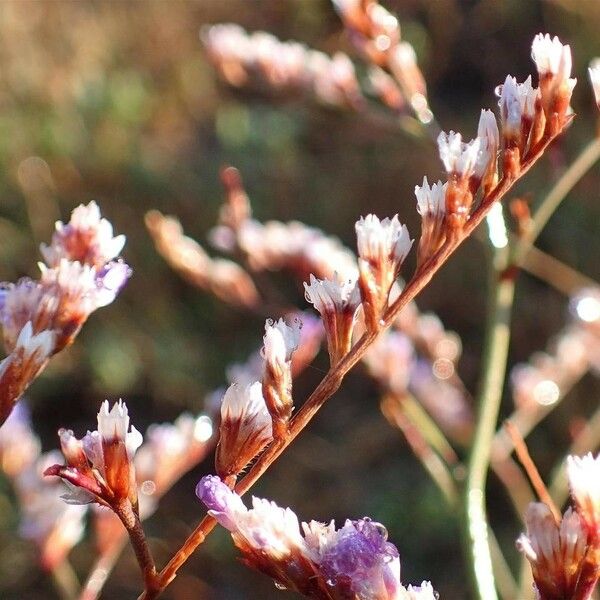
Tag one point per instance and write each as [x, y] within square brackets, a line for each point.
[332, 380]
[65, 580]
[132, 524]
[582, 164]
[494, 370]
[395, 411]
[101, 570]
[554, 272]
[532, 472]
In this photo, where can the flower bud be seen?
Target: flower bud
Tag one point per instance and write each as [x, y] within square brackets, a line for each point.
[337, 303]
[280, 342]
[382, 248]
[245, 428]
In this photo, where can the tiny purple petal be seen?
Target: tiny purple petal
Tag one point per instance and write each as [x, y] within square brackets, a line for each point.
[110, 280]
[223, 504]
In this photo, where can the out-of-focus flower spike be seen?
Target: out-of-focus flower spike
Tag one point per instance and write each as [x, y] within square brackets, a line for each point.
[386, 89]
[246, 428]
[86, 238]
[19, 445]
[54, 527]
[431, 205]
[28, 357]
[280, 342]
[337, 303]
[594, 73]
[584, 481]
[382, 247]
[486, 167]
[553, 61]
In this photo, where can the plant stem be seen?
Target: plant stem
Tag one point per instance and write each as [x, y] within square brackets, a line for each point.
[494, 370]
[132, 524]
[101, 570]
[333, 378]
[65, 580]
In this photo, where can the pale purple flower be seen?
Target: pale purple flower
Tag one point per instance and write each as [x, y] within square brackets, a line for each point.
[86, 238]
[584, 481]
[457, 156]
[594, 74]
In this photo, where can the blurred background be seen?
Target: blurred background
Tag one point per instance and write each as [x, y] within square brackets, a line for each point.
[117, 102]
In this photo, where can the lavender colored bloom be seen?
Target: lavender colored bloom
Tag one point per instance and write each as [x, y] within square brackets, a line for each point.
[359, 558]
[110, 281]
[223, 504]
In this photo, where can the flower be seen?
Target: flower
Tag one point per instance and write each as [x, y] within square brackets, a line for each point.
[382, 247]
[355, 561]
[517, 102]
[280, 342]
[431, 205]
[29, 356]
[357, 558]
[459, 158]
[19, 446]
[337, 302]
[86, 238]
[556, 552]
[584, 481]
[245, 430]
[486, 168]
[100, 465]
[594, 73]
[553, 62]
[54, 526]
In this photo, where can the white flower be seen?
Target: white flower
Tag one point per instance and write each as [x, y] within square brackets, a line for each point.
[280, 341]
[332, 295]
[424, 591]
[113, 425]
[489, 138]
[594, 73]
[431, 200]
[381, 241]
[584, 481]
[87, 238]
[551, 56]
[246, 428]
[517, 103]
[556, 551]
[458, 157]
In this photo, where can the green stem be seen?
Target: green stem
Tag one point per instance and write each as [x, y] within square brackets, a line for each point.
[494, 370]
[582, 164]
[65, 580]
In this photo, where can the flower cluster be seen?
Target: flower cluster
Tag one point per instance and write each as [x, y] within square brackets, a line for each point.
[99, 467]
[40, 318]
[565, 556]
[284, 66]
[316, 560]
[529, 117]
